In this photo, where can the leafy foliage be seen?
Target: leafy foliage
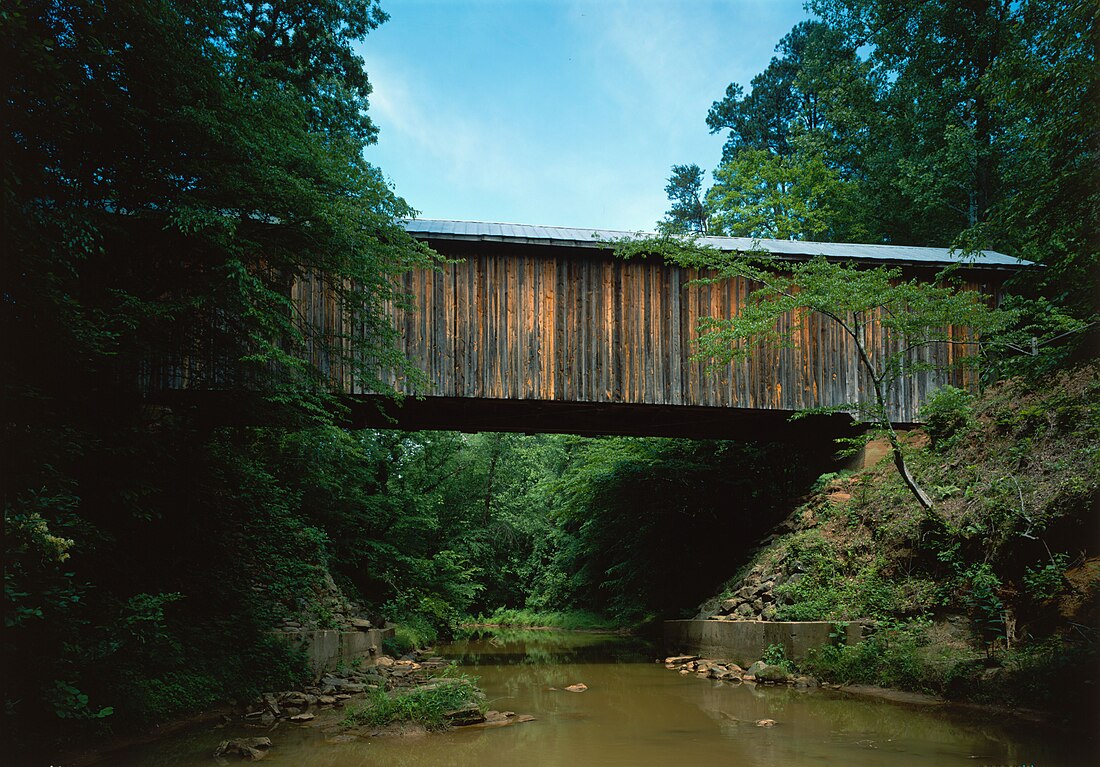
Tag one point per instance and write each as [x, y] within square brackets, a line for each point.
[890, 657]
[534, 528]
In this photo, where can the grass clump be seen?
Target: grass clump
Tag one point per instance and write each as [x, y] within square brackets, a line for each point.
[426, 705]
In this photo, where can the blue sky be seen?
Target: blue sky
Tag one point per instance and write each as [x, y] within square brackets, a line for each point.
[556, 112]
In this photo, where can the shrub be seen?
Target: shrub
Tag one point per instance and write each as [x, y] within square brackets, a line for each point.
[1046, 580]
[775, 655]
[947, 415]
[890, 657]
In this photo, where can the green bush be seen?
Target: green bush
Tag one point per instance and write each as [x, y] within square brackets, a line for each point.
[890, 657]
[414, 632]
[173, 694]
[948, 414]
[775, 655]
[1046, 580]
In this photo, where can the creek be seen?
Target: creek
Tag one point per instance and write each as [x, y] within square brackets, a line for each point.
[637, 713]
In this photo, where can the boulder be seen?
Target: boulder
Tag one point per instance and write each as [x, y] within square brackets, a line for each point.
[771, 675]
[756, 667]
[681, 658]
[271, 703]
[298, 699]
[252, 749]
[468, 714]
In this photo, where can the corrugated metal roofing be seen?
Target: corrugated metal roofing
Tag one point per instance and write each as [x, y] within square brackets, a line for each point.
[486, 231]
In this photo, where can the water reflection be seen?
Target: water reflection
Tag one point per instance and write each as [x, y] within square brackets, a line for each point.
[507, 646]
[637, 713]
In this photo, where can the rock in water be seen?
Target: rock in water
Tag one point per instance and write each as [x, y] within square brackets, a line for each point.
[468, 714]
[252, 749]
[756, 668]
[681, 658]
[771, 675]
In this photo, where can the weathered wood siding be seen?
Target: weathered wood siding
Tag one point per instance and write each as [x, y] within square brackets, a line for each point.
[529, 323]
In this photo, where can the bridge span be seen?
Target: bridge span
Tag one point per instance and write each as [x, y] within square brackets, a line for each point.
[541, 329]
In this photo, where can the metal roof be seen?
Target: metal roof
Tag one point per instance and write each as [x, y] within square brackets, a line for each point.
[485, 231]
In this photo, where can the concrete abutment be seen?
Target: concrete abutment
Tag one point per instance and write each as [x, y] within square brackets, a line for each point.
[744, 642]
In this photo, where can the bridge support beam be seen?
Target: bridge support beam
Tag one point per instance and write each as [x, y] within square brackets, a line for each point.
[597, 418]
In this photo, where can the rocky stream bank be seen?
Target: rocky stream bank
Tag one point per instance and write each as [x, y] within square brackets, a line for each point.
[336, 701]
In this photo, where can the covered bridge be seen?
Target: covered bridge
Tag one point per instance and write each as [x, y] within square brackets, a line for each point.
[538, 328]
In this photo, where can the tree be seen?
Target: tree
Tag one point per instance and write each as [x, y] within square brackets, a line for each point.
[685, 192]
[988, 136]
[758, 194]
[1045, 92]
[792, 163]
[912, 315]
[817, 85]
[169, 170]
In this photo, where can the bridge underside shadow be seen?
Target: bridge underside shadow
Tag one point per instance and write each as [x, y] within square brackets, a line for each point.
[591, 419]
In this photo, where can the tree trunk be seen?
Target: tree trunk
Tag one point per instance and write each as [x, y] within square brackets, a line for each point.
[884, 422]
[903, 470]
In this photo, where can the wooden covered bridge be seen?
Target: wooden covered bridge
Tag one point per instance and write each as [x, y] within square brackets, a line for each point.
[541, 329]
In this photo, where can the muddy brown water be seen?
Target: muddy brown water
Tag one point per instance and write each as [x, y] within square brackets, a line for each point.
[636, 713]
